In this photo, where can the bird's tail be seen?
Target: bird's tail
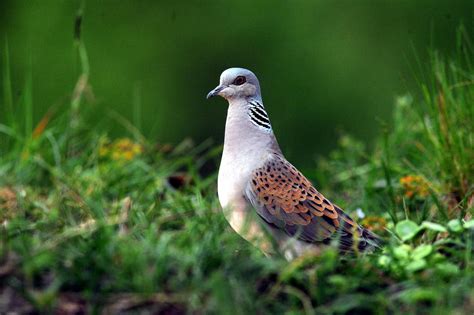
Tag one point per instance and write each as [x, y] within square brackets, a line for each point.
[371, 241]
[355, 237]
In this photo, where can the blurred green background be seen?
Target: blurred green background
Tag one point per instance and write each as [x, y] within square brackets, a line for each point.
[324, 66]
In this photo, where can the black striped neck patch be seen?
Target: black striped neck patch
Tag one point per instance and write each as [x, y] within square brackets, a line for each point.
[258, 115]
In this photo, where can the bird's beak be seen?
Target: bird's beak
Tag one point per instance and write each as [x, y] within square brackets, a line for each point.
[215, 91]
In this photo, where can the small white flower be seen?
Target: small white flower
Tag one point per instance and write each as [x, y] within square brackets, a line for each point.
[360, 213]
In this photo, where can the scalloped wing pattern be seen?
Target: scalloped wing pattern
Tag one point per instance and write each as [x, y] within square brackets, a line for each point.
[283, 197]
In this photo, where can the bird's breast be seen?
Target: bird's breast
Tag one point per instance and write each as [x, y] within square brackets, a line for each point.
[234, 174]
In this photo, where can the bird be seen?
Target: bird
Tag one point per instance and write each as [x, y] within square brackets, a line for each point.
[264, 197]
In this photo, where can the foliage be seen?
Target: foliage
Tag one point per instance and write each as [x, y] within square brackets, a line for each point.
[92, 224]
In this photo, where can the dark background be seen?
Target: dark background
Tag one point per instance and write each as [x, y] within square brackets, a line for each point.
[324, 66]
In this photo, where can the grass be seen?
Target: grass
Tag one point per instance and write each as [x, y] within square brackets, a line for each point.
[92, 224]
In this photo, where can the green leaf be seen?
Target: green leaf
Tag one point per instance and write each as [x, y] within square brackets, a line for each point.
[433, 226]
[455, 225]
[447, 268]
[416, 265]
[469, 224]
[422, 251]
[339, 282]
[384, 261]
[407, 229]
[420, 294]
[402, 252]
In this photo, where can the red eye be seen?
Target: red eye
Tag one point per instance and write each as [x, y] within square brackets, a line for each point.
[240, 80]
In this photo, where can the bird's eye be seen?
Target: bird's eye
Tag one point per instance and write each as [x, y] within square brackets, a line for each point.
[240, 80]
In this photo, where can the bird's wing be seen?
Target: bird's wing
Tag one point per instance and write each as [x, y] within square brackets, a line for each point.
[284, 198]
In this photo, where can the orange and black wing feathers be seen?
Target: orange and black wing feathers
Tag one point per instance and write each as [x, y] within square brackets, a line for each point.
[283, 197]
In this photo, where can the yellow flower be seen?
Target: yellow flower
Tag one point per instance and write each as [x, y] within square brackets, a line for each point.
[414, 186]
[376, 224]
[123, 149]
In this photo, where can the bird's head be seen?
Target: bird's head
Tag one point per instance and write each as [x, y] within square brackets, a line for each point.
[237, 83]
